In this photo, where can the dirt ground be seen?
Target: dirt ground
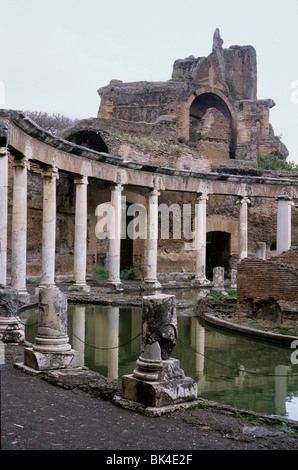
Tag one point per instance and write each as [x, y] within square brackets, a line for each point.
[77, 413]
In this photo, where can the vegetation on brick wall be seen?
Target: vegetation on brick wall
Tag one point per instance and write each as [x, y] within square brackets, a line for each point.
[269, 161]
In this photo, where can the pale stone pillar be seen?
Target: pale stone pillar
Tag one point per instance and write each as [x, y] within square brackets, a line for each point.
[243, 226]
[49, 227]
[200, 240]
[218, 279]
[283, 236]
[3, 213]
[19, 227]
[152, 240]
[115, 238]
[261, 250]
[80, 242]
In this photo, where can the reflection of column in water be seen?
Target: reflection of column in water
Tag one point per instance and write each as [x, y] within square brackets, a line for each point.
[200, 347]
[113, 335]
[78, 328]
[2, 353]
[136, 328]
[280, 389]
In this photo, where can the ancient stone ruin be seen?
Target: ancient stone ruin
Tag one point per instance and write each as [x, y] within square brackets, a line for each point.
[176, 164]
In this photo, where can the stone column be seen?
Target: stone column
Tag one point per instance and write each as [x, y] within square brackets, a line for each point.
[200, 240]
[243, 224]
[3, 213]
[80, 242]
[49, 227]
[152, 240]
[283, 236]
[19, 228]
[115, 238]
[51, 349]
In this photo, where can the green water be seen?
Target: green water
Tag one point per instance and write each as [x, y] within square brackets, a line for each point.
[229, 368]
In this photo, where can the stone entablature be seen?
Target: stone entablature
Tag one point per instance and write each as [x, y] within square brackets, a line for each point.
[30, 148]
[38, 145]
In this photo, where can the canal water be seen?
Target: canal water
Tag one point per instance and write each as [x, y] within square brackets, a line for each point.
[229, 368]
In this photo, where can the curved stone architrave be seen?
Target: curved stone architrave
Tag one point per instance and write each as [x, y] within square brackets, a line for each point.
[42, 147]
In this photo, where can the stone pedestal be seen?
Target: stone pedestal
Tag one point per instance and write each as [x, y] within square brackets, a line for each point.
[261, 250]
[233, 279]
[11, 329]
[51, 349]
[158, 380]
[219, 280]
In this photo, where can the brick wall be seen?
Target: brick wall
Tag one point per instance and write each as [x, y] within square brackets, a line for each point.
[270, 278]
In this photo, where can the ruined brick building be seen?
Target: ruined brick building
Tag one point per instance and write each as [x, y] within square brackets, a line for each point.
[206, 118]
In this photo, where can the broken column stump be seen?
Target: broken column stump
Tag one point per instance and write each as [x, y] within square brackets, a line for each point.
[158, 380]
[11, 329]
[51, 349]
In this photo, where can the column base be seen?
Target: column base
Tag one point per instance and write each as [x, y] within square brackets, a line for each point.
[79, 288]
[200, 282]
[42, 361]
[172, 387]
[117, 285]
[151, 284]
[11, 331]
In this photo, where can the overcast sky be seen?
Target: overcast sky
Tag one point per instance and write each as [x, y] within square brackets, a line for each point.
[55, 54]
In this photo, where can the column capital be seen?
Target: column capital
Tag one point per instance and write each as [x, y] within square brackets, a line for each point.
[4, 151]
[202, 197]
[51, 172]
[117, 187]
[283, 197]
[154, 191]
[243, 200]
[21, 163]
[81, 180]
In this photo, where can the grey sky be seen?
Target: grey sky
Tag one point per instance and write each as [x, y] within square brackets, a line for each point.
[56, 54]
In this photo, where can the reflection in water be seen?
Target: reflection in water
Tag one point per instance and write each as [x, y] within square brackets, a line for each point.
[229, 368]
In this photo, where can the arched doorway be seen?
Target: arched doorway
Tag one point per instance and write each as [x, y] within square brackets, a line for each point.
[89, 139]
[218, 250]
[211, 127]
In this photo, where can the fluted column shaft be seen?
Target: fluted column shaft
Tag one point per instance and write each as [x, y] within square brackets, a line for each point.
[152, 239]
[50, 177]
[80, 243]
[19, 226]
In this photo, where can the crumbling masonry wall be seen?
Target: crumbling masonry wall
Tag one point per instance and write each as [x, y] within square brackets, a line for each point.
[276, 278]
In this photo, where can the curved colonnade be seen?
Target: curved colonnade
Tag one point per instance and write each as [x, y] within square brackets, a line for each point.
[26, 142]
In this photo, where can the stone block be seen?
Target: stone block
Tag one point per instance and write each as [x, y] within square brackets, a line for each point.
[171, 388]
